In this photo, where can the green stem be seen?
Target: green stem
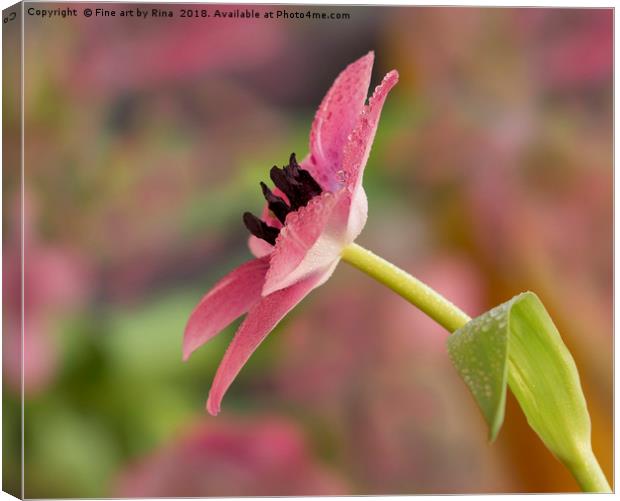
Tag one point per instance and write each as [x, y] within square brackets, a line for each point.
[410, 288]
[588, 473]
[585, 467]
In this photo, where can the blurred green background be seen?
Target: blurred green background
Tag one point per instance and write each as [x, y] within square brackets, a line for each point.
[145, 141]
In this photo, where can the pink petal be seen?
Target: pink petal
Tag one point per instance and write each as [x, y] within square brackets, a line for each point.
[358, 147]
[261, 320]
[310, 240]
[230, 298]
[356, 155]
[336, 119]
[258, 246]
[355, 206]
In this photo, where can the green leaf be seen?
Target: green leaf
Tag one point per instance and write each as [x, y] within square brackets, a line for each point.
[516, 344]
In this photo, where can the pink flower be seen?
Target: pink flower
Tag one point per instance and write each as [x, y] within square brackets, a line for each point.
[56, 280]
[125, 54]
[265, 456]
[316, 210]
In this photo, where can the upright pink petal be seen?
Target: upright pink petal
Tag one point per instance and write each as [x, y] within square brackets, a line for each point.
[358, 147]
[356, 155]
[353, 205]
[261, 320]
[230, 298]
[336, 119]
[303, 230]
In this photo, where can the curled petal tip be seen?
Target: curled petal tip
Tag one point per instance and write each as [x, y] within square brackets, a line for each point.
[381, 91]
[392, 75]
[389, 80]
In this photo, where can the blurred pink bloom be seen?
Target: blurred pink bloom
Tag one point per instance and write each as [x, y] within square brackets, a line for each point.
[126, 54]
[265, 457]
[316, 211]
[55, 280]
[575, 46]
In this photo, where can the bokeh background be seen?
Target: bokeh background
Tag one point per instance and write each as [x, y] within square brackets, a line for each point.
[145, 142]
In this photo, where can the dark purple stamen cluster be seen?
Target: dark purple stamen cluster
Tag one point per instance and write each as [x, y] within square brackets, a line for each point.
[299, 187]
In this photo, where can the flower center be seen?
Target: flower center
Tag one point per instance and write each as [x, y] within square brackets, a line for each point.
[299, 187]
